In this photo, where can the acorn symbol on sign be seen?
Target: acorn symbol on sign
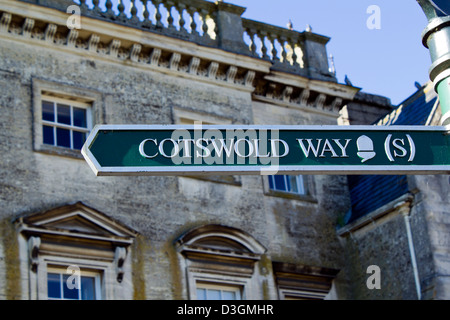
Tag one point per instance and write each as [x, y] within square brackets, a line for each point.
[365, 148]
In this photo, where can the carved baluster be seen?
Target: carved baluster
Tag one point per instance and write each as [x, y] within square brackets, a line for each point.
[108, 5]
[168, 5]
[289, 51]
[121, 9]
[204, 16]
[301, 62]
[180, 7]
[294, 57]
[133, 11]
[191, 11]
[264, 48]
[252, 45]
[96, 8]
[158, 15]
[216, 26]
[283, 41]
[146, 13]
[83, 5]
[272, 38]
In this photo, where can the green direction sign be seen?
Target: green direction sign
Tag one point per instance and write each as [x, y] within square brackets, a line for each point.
[195, 150]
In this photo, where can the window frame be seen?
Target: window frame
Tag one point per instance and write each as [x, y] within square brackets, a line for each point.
[43, 89]
[287, 182]
[233, 265]
[51, 239]
[71, 127]
[51, 262]
[96, 274]
[237, 289]
[308, 196]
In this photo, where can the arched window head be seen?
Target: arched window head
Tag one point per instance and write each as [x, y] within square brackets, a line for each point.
[220, 239]
[220, 262]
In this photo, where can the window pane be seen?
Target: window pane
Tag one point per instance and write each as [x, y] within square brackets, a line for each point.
[78, 139]
[63, 113]
[54, 285]
[48, 113]
[201, 294]
[270, 182]
[280, 183]
[87, 288]
[214, 294]
[63, 137]
[228, 295]
[68, 292]
[79, 117]
[299, 184]
[293, 184]
[48, 135]
[288, 182]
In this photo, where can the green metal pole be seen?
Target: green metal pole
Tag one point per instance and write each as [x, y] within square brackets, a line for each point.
[436, 37]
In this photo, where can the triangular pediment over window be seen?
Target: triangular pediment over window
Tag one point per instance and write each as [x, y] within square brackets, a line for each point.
[77, 221]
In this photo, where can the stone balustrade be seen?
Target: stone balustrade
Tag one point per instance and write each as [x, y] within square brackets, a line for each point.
[214, 24]
[274, 43]
[193, 20]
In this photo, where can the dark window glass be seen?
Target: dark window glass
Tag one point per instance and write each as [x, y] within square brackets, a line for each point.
[63, 137]
[79, 117]
[87, 288]
[48, 112]
[72, 292]
[54, 285]
[64, 114]
[288, 181]
[49, 136]
[78, 139]
[280, 183]
[271, 182]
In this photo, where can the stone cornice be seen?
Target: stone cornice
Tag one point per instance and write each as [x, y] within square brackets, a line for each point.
[103, 40]
[116, 43]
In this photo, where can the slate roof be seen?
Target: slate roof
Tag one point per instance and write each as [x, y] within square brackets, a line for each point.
[371, 192]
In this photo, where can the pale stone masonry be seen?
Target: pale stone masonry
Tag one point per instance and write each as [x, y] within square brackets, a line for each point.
[166, 237]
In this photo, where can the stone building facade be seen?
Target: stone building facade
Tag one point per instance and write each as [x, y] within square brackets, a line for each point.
[400, 223]
[67, 66]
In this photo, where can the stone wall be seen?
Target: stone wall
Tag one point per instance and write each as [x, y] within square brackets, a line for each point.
[160, 209]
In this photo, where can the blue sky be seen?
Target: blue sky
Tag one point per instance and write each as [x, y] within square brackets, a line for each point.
[384, 61]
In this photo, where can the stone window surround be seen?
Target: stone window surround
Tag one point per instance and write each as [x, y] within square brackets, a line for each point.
[42, 88]
[226, 266]
[45, 244]
[97, 276]
[308, 181]
[304, 282]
